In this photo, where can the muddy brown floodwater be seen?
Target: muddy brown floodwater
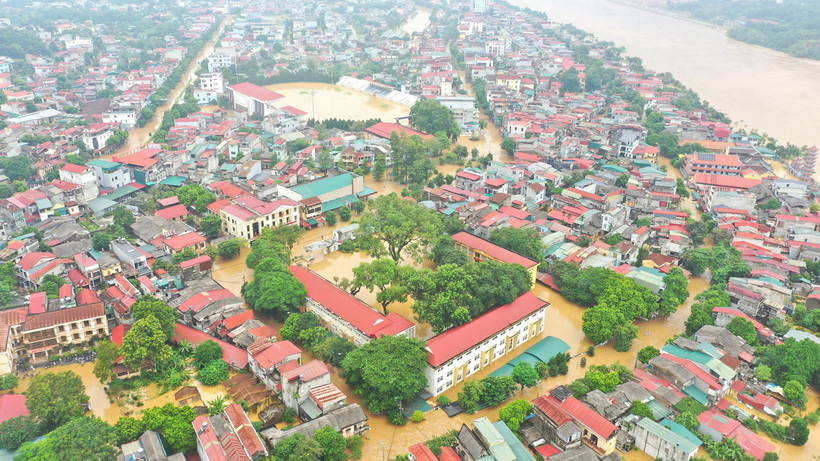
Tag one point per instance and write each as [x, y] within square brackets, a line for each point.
[564, 321]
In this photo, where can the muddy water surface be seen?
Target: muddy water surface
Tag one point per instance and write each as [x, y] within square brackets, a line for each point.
[323, 101]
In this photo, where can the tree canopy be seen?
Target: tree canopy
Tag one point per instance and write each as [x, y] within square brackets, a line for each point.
[431, 116]
[145, 343]
[85, 438]
[524, 241]
[274, 288]
[395, 227]
[149, 306]
[387, 371]
[56, 398]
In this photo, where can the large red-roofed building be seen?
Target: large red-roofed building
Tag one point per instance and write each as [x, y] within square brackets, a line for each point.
[347, 316]
[253, 98]
[385, 129]
[461, 351]
[480, 250]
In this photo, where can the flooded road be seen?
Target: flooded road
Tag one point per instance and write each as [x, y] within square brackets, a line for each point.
[419, 21]
[139, 136]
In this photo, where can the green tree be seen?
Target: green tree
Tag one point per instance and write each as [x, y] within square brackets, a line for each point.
[524, 241]
[18, 168]
[211, 225]
[275, 289]
[578, 388]
[364, 368]
[207, 352]
[508, 145]
[792, 360]
[697, 318]
[268, 245]
[175, 425]
[230, 248]
[570, 82]
[333, 444]
[599, 323]
[641, 409]
[763, 373]
[325, 160]
[445, 252]
[648, 353]
[84, 438]
[395, 227]
[184, 255]
[688, 420]
[384, 275]
[345, 214]
[217, 405]
[213, 373]
[430, 116]
[8, 381]
[107, 355]
[145, 343]
[417, 417]
[744, 329]
[149, 306]
[602, 378]
[100, 241]
[795, 392]
[622, 180]
[515, 413]
[798, 431]
[128, 429]
[16, 431]
[55, 398]
[330, 218]
[379, 168]
[123, 217]
[334, 350]
[496, 389]
[675, 293]
[525, 375]
[623, 335]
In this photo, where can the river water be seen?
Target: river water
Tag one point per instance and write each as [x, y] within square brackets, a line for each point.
[757, 87]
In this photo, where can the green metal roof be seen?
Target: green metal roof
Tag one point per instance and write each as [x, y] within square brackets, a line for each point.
[500, 450]
[696, 394]
[323, 186]
[104, 164]
[174, 181]
[682, 443]
[100, 204]
[681, 431]
[659, 410]
[519, 450]
[721, 369]
[542, 351]
[335, 204]
[694, 356]
[121, 192]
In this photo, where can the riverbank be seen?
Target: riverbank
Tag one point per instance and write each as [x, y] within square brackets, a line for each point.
[765, 89]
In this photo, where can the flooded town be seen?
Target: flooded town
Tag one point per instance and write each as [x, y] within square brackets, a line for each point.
[422, 231]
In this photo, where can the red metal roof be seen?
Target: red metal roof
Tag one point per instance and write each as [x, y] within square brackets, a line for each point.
[256, 91]
[87, 296]
[492, 250]
[421, 452]
[276, 353]
[453, 342]
[238, 319]
[235, 356]
[62, 316]
[12, 406]
[306, 372]
[72, 168]
[385, 129]
[180, 242]
[37, 303]
[195, 261]
[202, 299]
[552, 410]
[172, 212]
[346, 306]
[587, 416]
[32, 259]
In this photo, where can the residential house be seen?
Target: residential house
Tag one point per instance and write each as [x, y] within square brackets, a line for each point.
[132, 257]
[246, 215]
[266, 357]
[228, 436]
[297, 382]
[348, 420]
[663, 443]
[84, 176]
[596, 431]
[110, 175]
[253, 98]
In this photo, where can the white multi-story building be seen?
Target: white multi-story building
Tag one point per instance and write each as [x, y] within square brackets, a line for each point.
[461, 351]
[247, 216]
[84, 176]
[218, 61]
[127, 118]
[110, 174]
[479, 6]
[212, 82]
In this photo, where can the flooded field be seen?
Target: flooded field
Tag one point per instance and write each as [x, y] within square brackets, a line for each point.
[323, 101]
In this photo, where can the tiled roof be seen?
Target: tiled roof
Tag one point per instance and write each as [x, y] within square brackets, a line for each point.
[275, 353]
[175, 211]
[180, 242]
[587, 416]
[32, 259]
[71, 168]
[198, 301]
[385, 129]
[453, 342]
[63, 316]
[306, 372]
[12, 406]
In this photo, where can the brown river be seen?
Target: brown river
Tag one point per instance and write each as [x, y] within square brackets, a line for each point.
[757, 87]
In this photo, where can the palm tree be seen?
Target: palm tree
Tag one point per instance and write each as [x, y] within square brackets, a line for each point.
[185, 348]
[217, 405]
